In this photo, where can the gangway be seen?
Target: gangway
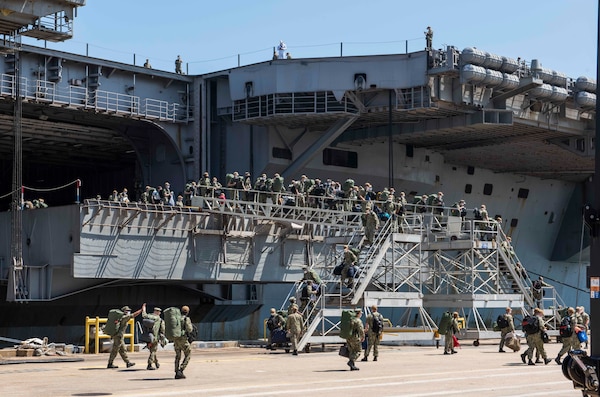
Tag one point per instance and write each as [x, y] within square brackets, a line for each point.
[422, 261]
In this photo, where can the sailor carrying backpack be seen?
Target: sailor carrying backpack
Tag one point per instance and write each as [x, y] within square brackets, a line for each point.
[531, 325]
[502, 321]
[377, 326]
[565, 329]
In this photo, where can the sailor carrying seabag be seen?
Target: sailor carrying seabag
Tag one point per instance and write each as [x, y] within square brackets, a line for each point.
[179, 329]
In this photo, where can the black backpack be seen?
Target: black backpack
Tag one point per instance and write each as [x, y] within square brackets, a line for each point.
[531, 325]
[191, 336]
[565, 329]
[272, 323]
[502, 321]
[377, 323]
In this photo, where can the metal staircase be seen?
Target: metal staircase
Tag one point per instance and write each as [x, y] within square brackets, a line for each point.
[416, 263]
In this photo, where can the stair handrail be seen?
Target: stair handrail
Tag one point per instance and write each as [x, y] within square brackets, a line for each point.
[375, 254]
[509, 256]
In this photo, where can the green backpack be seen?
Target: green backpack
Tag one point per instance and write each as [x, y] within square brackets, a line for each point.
[346, 323]
[173, 326]
[445, 323]
[113, 322]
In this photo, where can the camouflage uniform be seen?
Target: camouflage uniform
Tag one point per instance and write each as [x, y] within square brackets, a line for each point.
[534, 341]
[449, 340]
[181, 344]
[371, 224]
[373, 338]
[117, 340]
[354, 342]
[291, 307]
[294, 324]
[203, 185]
[349, 260]
[158, 331]
[308, 296]
[569, 342]
[506, 330]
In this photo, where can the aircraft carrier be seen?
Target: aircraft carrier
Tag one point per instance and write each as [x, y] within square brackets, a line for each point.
[490, 129]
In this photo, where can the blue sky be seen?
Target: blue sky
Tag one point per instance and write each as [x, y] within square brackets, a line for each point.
[213, 35]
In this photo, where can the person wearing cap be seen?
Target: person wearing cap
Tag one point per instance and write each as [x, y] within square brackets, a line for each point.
[203, 184]
[311, 274]
[181, 344]
[158, 330]
[349, 260]
[372, 223]
[510, 327]
[583, 320]
[373, 336]
[117, 340]
[484, 219]
[438, 204]
[421, 204]
[569, 342]
[292, 305]
[167, 195]
[428, 38]
[274, 322]
[294, 325]
[354, 341]
[388, 207]
[452, 329]
[535, 341]
[247, 186]
[308, 297]
[459, 209]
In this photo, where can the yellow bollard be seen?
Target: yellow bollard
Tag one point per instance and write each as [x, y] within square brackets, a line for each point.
[96, 322]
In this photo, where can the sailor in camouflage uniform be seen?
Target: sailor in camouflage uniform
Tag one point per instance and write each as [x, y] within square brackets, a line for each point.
[372, 337]
[158, 330]
[354, 341]
[371, 224]
[349, 260]
[117, 340]
[294, 324]
[504, 331]
[203, 185]
[449, 336]
[569, 342]
[534, 341]
[293, 304]
[181, 344]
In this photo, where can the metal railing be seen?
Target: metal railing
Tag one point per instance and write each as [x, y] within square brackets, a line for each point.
[80, 97]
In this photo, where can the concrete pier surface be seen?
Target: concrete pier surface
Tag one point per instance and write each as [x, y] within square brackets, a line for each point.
[408, 371]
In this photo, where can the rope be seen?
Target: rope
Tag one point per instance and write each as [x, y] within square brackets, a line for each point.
[52, 188]
[40, 189]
